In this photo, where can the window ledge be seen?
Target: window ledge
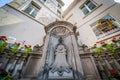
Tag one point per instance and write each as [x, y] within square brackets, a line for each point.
[108, 33]
[92, 11]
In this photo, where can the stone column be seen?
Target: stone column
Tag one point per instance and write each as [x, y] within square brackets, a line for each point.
[107, 63]
[100, 68]
[43, 59]
[115, 62]
[14, 64]
[78, 64]
[23, 72]
[19, 69]
[4, 65]
[21, 64]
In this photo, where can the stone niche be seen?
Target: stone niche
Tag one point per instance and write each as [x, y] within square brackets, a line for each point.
[60, 54]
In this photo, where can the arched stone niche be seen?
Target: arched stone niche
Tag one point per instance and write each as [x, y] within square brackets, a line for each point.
[65, 24]
[60, 59]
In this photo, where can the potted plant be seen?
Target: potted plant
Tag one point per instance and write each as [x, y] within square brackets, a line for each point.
[98, 48]
[15, 48]
[110, 47]
[28, 49]
[3, 44]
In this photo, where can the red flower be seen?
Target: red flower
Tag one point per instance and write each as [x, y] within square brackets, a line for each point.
[3, 37]
[15, 42]
[25, 45]
[29, 46]
[2, 69]
[114, 72]
[95, 44]
[102, 42]
[18, 43]
[113, 40]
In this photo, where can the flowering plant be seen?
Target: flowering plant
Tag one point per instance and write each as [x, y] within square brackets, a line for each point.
[110, 48]
[28, 49]
[99, 49]
[116, 41]
[103, 46]
[114, 74]
[15, 48]
[3, 44]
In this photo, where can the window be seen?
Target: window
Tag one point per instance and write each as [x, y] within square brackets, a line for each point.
[32, 10]
[59, 6]
[88, 6]
[105, 26]
[44, 0]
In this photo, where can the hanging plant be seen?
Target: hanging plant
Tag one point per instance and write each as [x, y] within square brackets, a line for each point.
[3, 44]
[28, 49]
[15, 48]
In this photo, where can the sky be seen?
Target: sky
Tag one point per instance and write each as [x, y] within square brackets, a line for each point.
[117, 1]
[3, 2]
[67, 3]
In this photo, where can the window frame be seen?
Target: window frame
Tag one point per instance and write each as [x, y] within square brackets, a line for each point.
[35, 7]
[84, 5]
[59, 13]
[114, 25]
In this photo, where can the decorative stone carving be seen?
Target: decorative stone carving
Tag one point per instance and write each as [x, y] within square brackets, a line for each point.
[60, 31]
[37, 48]
[60, 55]
[60, 23]
[60, 64]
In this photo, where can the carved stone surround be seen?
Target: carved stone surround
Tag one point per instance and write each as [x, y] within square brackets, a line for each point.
[60, 54]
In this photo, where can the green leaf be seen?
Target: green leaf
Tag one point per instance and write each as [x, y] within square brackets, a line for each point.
[15, 49]
[99, 50]
[93, 47]
[111, 48]
[27, 51]
[8, 77]
[3, 45]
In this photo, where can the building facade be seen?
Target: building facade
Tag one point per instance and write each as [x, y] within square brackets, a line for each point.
[44, 11]
[95, 20]
[59, 53]
[23, 20]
